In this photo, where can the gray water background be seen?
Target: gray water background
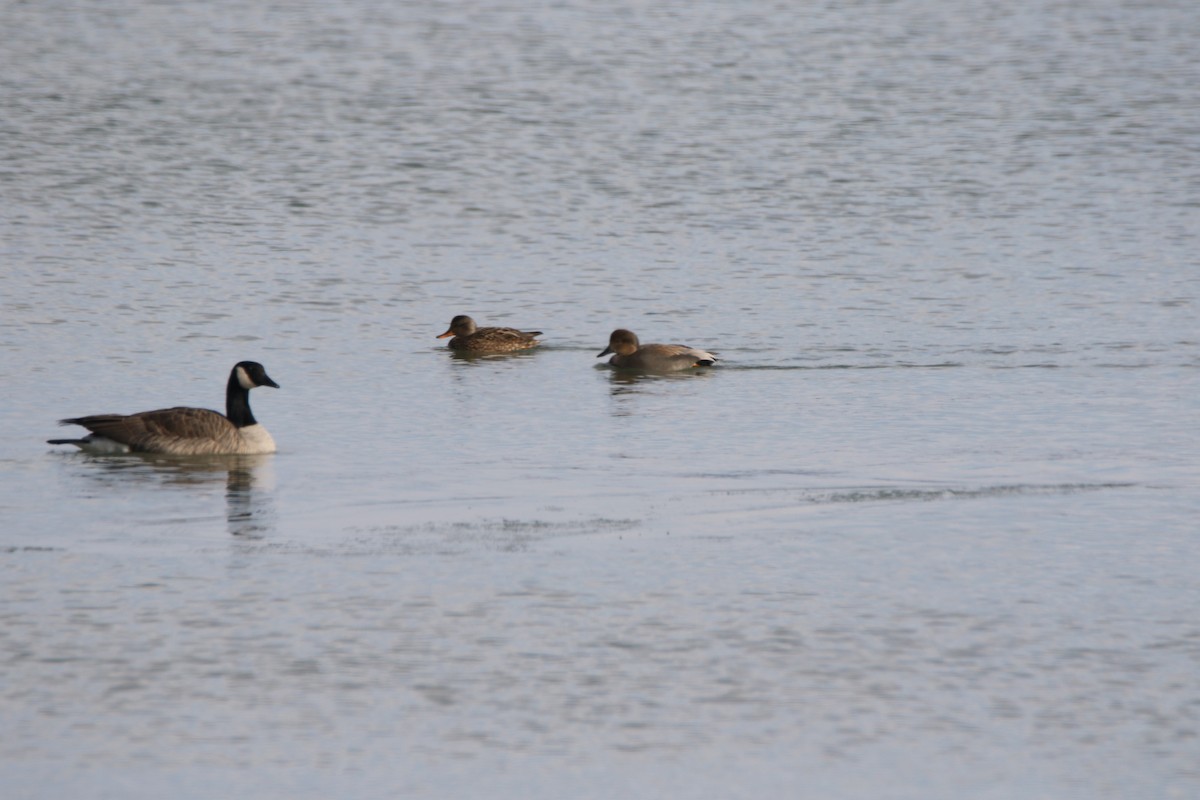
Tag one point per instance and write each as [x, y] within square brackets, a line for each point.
[929, 530]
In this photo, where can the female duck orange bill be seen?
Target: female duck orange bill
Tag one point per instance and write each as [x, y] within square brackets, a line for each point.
[469, 339]
[183, 431]
[632, 354]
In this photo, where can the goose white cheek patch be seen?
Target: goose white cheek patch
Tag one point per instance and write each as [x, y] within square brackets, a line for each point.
[244, 379]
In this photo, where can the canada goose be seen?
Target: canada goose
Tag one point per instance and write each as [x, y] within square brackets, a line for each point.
[631, 354]
[184, 431]
[469, 339]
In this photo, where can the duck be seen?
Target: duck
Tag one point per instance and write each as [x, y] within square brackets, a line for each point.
[470, 339]
[629, 353]
[184, 431]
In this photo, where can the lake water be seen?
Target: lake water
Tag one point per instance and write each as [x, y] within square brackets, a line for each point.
[930, 530]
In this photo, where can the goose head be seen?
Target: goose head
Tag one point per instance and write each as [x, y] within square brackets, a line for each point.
[250, 374]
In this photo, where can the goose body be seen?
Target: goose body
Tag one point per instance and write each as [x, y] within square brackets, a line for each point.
[470, 339]
[629, 353]
[184, 431]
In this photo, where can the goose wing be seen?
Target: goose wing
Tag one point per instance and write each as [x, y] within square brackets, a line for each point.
[152, 430]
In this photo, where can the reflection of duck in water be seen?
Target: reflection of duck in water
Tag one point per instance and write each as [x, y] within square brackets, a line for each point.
[182, 430]
[632, 354]
[470, 339]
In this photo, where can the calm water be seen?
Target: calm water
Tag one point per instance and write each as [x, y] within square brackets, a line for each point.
[929, 531]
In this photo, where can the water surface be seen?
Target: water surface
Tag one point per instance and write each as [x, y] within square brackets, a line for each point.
[928, 530]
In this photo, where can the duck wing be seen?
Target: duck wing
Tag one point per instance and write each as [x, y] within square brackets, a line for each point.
[496, 340]
[682, 353]
[509, 333]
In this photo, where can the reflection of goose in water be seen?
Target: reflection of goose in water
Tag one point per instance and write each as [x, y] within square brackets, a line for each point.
[249, 514]
[248, 479]
[182, 430]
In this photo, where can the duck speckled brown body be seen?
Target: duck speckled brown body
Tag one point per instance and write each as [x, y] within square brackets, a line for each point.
[469, 339]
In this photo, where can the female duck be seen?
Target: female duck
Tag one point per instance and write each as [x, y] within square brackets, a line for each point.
[184, 431]
[632, 354]
[469, 339]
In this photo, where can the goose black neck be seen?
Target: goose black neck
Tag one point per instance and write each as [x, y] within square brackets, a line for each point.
[237, 403]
